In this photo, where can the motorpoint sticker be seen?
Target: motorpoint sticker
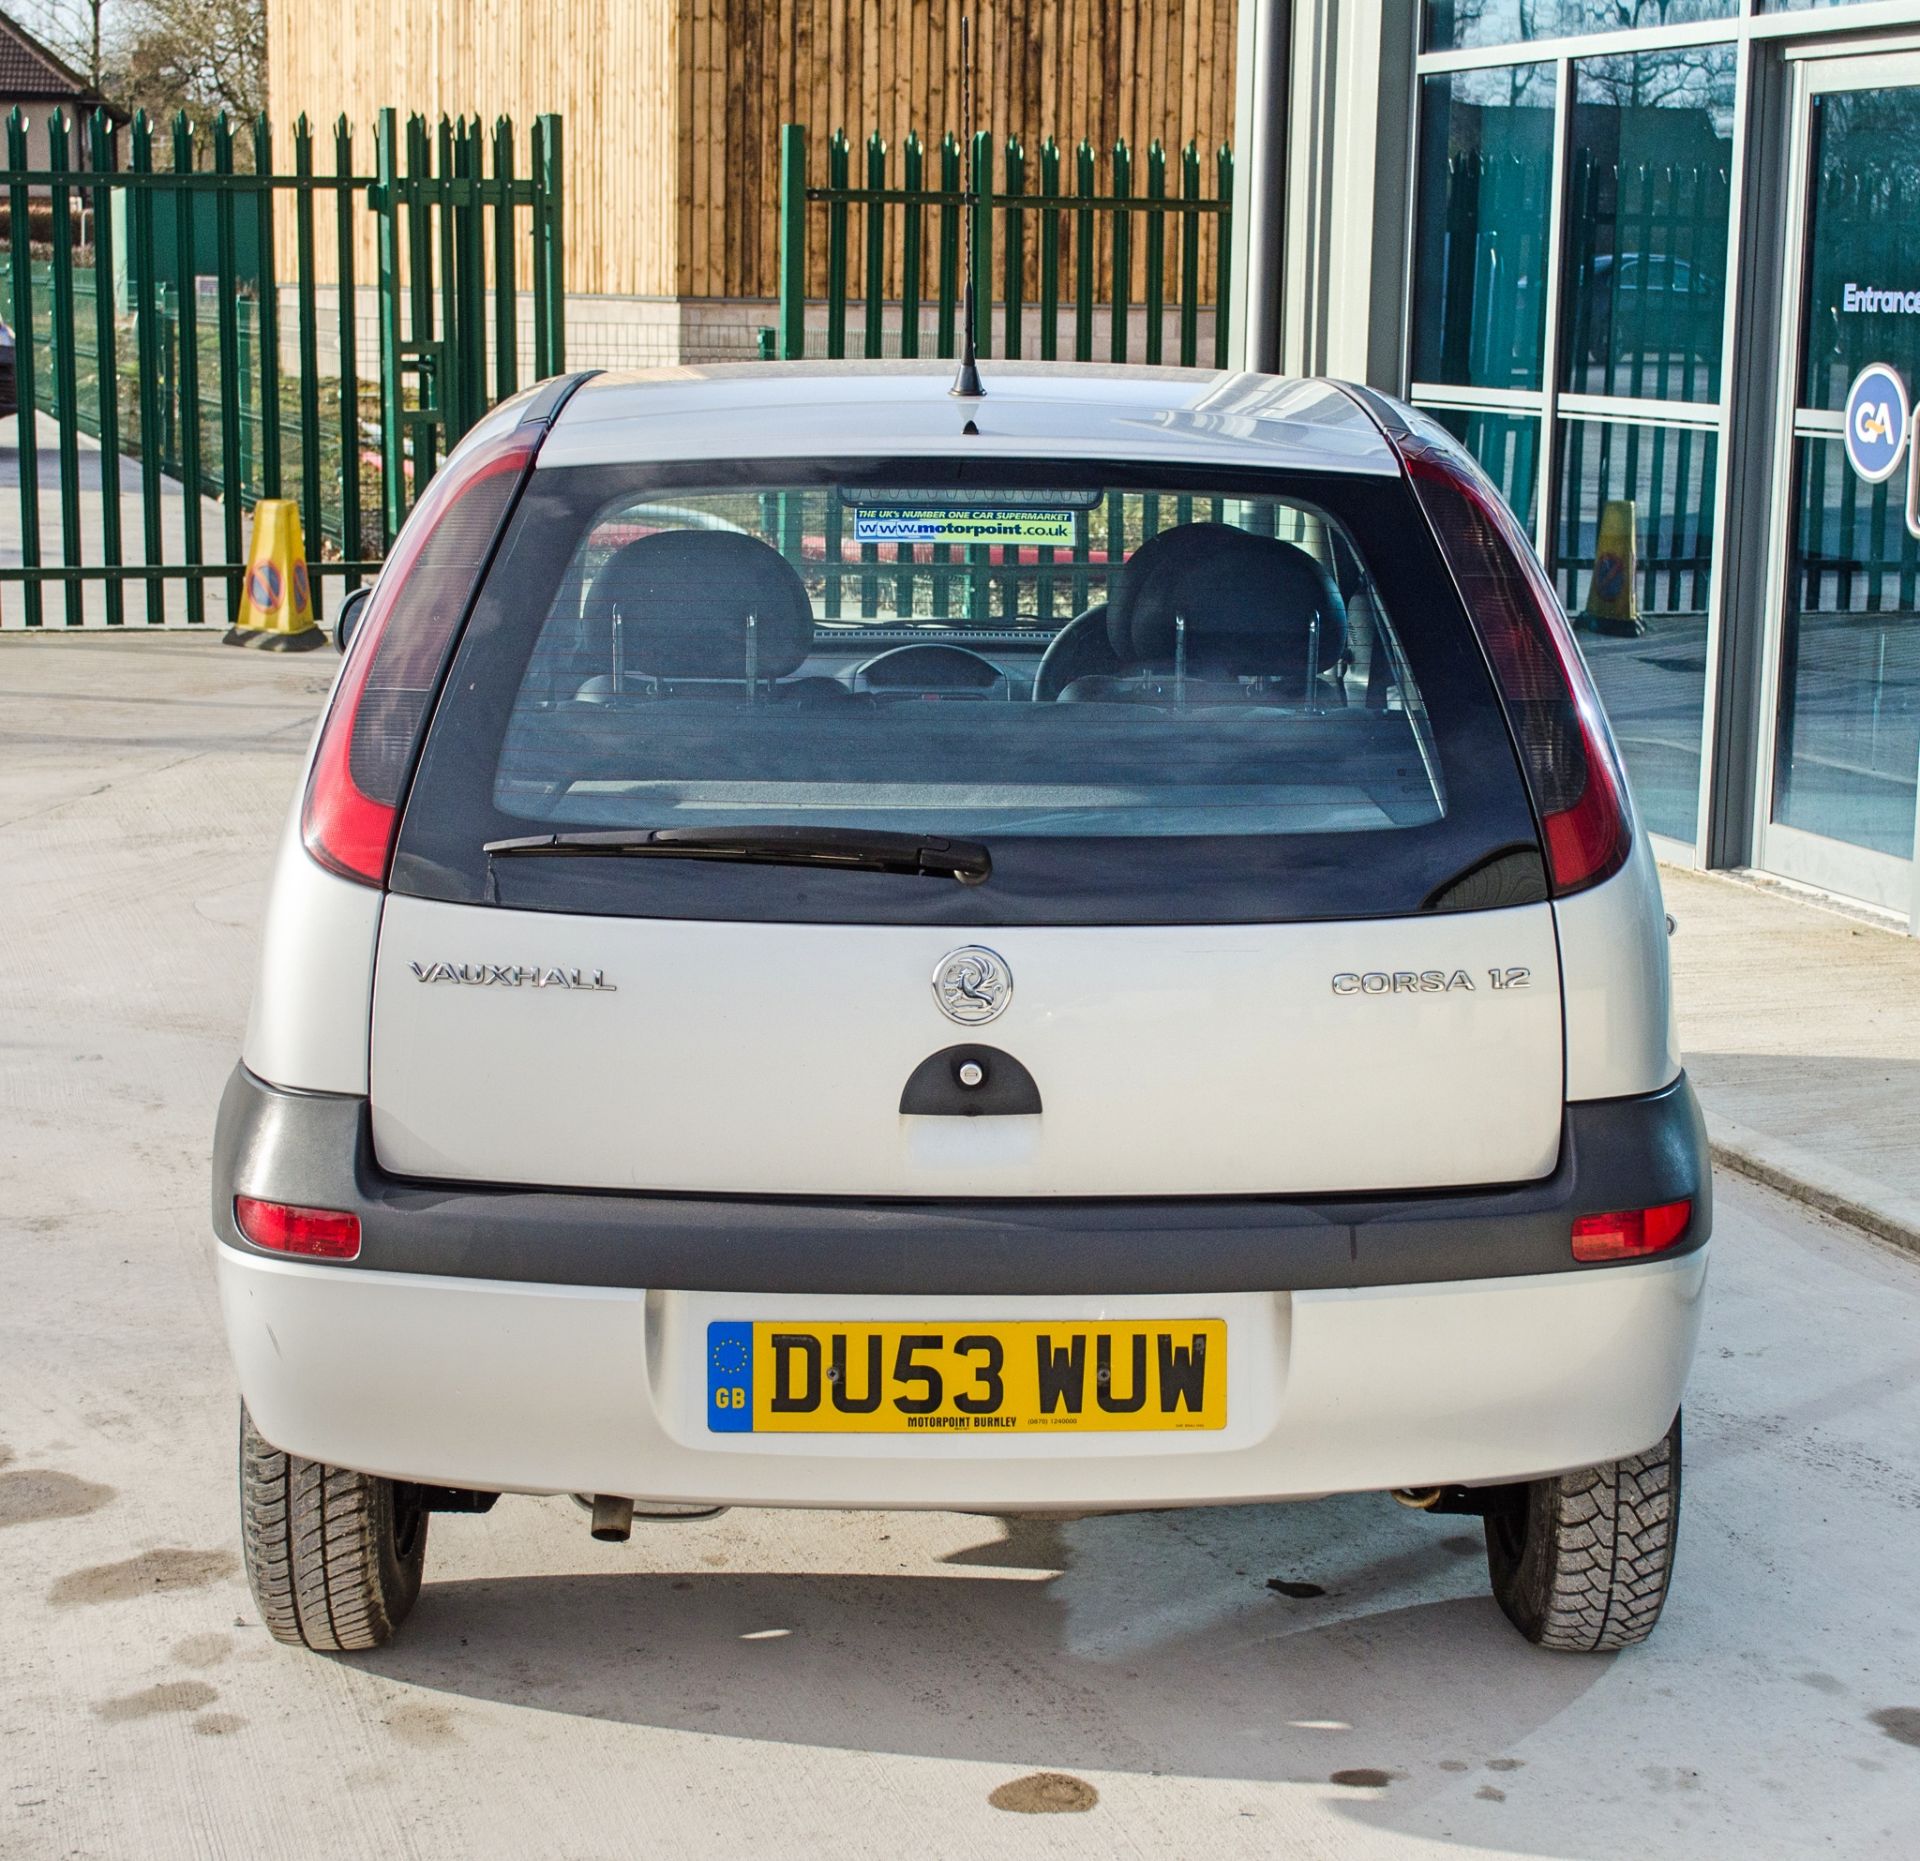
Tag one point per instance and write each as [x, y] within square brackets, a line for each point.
[1877, 419]
[910, 523]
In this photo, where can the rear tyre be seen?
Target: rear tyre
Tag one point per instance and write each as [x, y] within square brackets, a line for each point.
[1583, 1561]
[333, 1557]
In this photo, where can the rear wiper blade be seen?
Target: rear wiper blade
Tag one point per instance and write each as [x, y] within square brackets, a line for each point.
[858, 849]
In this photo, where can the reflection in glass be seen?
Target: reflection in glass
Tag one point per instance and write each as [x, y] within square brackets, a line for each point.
[1486, 160]
[1455, 24]
[1642, 613]
[1849, 737]
[1861, 271]
[1647, 203]
[1800, 6]
[1508, 448]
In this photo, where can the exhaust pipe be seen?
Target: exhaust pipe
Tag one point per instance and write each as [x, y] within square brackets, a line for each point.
[612, 1518]
[1414, 1498]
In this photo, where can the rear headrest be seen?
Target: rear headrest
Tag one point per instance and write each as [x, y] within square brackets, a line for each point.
[683, 597]
[1249, 603]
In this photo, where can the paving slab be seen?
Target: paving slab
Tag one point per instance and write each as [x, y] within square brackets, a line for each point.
[1801, 1028]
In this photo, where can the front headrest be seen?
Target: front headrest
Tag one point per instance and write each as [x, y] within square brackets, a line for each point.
[1249, 603]
[683, 597]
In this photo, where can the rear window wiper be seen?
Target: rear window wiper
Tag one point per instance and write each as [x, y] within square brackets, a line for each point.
[858, 849]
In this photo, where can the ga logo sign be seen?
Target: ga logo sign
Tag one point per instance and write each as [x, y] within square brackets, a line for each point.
[1877, 420]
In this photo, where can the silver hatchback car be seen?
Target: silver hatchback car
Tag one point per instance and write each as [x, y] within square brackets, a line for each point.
[1081, 949]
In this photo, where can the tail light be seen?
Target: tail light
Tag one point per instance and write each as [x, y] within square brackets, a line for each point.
[373, 729]
[1551, 705]
[319, 1233]
[1631, 1233]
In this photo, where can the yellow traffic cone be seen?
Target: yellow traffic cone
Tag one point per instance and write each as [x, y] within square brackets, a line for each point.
[1613, 602]
[276, 605]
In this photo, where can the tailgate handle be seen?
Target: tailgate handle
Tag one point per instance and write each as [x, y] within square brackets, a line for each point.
[970, 1082]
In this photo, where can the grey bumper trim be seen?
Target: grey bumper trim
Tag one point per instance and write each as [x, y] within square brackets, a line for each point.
[317, 1149]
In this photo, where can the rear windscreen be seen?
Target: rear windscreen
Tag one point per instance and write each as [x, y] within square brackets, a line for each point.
[1212, 698]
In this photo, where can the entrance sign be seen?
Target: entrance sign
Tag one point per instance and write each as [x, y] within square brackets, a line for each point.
[1877, 419]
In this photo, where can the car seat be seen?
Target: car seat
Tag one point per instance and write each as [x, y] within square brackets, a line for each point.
[1258, 613]
[700, 613]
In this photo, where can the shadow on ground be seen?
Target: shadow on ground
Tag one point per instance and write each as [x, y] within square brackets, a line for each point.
[1149, 1643]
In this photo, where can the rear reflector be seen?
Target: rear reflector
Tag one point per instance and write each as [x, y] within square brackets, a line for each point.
[1550, 701]
[393, 668]
[323, 1233]
[1629, 1234]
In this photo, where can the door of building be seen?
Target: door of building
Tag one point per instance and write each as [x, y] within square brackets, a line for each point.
[1840, 756]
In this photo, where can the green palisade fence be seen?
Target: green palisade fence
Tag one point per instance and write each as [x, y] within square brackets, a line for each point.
[174, 313]
[1044, 251]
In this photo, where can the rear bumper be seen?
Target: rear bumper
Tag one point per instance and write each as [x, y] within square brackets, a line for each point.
[317, 1149]
[529, 1341]
[514, 1387]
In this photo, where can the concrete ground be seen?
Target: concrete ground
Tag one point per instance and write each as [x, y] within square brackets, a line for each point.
[801, 1683]
[89, 506]
[1801, 1027]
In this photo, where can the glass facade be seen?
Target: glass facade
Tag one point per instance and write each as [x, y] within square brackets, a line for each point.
[1642, 612]
[1649, 194]
[1486, 176]
[1622, 501]
[1456, 25]
[1865, 214]
[1572, 295]
[1848, 745]
[1847, 738]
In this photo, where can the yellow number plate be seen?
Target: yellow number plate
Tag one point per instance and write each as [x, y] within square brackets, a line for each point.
[966, 1378]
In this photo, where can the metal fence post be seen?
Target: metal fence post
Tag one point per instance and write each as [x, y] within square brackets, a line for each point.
[106, 362]
[837, 244]
[227, 312]
[1156, 301]
[1190, 257]
[950, 210]
[793, 241]
[1050, 253]
[912, 235]
[550, 289]
[506, 267]
[268, 321]
[312, 516]
[1013, 284]
[874, 284]
[66, 374]
[1223, 253]
[385, 198]
[154, 360]
[352, 543]
[982, 209]
[26, 388]
[187, 323]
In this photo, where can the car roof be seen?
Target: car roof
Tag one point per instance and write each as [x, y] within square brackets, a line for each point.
[1088, 411]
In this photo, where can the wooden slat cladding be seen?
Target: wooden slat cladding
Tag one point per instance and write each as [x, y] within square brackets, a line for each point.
[673, 107]
[1099, 69]
[611, 68]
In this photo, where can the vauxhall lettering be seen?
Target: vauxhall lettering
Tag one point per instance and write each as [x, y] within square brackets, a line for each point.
[514, 976]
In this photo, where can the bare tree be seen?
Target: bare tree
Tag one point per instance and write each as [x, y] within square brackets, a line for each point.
[201, 56]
